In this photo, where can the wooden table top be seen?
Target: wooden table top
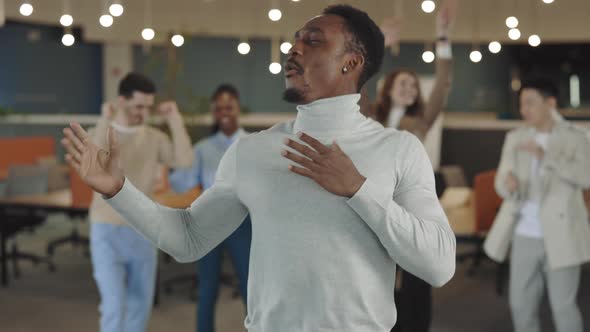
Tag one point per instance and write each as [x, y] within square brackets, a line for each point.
[63, 199]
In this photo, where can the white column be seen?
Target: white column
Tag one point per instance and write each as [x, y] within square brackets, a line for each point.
[2, 13]
[117, 62]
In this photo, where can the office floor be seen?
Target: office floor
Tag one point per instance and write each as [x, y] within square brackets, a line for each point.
[67, 300]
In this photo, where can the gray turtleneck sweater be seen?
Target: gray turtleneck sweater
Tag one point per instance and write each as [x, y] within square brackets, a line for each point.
[319, 262]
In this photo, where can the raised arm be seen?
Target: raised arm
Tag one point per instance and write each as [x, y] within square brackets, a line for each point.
[443, 71]
[187, 234]
[178, 152]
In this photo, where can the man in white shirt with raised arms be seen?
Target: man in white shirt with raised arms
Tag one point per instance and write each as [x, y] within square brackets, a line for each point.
[336, 200]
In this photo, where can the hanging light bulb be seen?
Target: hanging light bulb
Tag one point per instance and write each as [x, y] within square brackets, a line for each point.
[275, 68]
[68, 39]
[66, 20]
[148, 34]
[428, 6]
[475, 56]
[26, 9]
[275, 14]
[243, 48]
[177, 40]
[116, 9]
[428, 56]
[106, 20]
[495, 47]
[548, 1]
[514, 34]
[285, 47]
[534, 40]
[511, 22]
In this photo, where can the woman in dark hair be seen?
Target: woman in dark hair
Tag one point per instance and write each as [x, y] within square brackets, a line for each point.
[400, 104]
[225, 106]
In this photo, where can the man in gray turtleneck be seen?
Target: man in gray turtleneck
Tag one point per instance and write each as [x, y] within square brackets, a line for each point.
[336, 200]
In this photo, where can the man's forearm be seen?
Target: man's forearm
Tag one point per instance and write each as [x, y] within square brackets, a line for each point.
[185, 234]
[183, 154]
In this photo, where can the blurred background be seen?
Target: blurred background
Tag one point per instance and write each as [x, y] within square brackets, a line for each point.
[61, 59]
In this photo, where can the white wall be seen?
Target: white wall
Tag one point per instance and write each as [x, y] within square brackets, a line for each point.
[2, 13]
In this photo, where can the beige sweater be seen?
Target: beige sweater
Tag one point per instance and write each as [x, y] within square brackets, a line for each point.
[141, 153]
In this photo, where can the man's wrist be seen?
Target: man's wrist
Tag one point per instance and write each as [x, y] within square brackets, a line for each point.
[118, 188]
[358, 186]
[174, 118]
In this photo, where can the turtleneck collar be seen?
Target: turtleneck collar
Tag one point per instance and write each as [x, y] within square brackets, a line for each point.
[329, 117]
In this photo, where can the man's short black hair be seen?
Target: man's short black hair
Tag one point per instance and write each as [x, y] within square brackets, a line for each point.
[136, 82]
[225, 88]
[367, 39]
[543, 85]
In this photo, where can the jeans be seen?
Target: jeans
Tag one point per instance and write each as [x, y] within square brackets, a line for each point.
[209, 269]
[124, 266]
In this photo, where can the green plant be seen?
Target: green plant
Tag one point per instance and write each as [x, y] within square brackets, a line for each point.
[4, 111]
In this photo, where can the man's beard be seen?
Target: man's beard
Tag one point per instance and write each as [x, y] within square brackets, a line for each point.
[292, 95]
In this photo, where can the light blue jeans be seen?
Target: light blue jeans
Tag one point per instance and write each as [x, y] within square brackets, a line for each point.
[124, 265]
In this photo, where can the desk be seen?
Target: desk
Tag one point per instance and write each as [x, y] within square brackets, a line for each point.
[31, 205]
[59, 202]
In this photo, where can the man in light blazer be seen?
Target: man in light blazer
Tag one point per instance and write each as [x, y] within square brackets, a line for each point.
[545, 166]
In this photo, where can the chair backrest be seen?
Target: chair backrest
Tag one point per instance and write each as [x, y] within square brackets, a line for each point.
[27, 180]
[486, 200]
[25, 150]
[81, 192]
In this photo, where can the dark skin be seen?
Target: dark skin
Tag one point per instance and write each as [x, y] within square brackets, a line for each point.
[226, 111]
[319, 66]
[316, 62]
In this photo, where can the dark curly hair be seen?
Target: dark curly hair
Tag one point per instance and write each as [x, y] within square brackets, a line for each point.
[367, 39]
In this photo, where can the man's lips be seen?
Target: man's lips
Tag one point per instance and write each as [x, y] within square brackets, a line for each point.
[292, 68]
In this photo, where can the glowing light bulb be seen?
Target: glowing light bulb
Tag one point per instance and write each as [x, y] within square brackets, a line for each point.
[275, 68]
[106, 20]
[495, 47]
[428, 56]
[148, 33]
[116, 9]
[66, 20]
[244, 48]
[68, 39]
[428, 6]
[475, 56]
[274, 14]
[26, 9]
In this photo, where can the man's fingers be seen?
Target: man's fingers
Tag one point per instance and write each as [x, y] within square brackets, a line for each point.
[73, 152]
[307, 163]
[314, 143]
[75, 142]
[112, 141]
[70, 160]
[301, 171]
[79, 131]
[303, 149]
[336, 147]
